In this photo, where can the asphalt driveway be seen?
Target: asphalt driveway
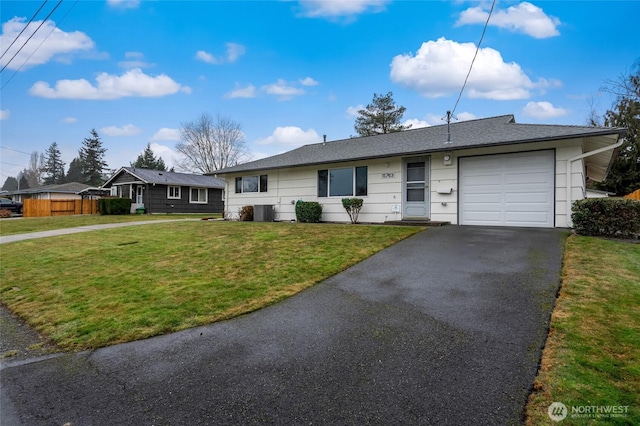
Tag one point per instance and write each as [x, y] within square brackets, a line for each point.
[445, 327]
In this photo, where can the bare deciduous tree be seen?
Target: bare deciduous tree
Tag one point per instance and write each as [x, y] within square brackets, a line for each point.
[209, 144]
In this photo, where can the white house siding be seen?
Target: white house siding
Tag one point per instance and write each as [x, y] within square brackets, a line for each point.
[288, 185]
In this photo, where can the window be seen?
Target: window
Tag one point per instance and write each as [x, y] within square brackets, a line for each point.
[173, 192]
[251, 184]
[343, 182]
[198, 195]
[114, 191]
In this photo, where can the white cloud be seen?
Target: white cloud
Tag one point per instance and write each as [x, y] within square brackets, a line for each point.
[524, 18]
[308, 82]
[133, 83]
[234, 51]
[466, 116]
[4, 114]
[166, 134]
[353, 111]
[439, 68]
[543, 110]
[290, 137]
[282, 90]
[242, 92]
[55, 43]
[124, 4]
[167, 154]
[126, 130]
[208, 57]
[135, 60]
[333, 8]
[69, 120]
[416, 123]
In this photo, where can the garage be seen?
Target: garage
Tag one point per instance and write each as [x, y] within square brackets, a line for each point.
[508, 189]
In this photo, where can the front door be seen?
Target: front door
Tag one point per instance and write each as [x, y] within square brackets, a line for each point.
[416, 188]
[139, 189]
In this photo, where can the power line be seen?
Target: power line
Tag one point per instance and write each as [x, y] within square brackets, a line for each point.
[11, 149]
[472, 61]
[32, 34]
[25, 27]
[43, 40]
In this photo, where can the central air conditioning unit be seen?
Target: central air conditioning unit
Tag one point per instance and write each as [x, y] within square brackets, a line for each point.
[263, 213]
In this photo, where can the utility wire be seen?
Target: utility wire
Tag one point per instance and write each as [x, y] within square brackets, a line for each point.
[474, 59]
[40, 45]
[25, 27]
[34, 33]
[11, 149]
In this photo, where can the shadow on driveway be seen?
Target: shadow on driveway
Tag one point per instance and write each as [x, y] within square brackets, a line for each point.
[445, 327]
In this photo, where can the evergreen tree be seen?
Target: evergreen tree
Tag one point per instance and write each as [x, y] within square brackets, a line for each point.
[75, 171]
[24, 183]
[148, 160]
[53, 166]
[624, 175]
[11, 184]
[91, 156]
[380, 116]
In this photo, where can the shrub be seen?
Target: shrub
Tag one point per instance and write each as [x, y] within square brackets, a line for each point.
[4, 213]
[114, 206]
[352, 206]
[607, 217]
[308, 211]
[246, 213]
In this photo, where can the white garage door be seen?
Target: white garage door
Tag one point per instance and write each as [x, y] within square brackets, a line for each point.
[508, 189]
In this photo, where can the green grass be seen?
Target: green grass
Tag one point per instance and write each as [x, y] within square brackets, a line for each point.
[592, 354]
[105, 287]
[37, 224]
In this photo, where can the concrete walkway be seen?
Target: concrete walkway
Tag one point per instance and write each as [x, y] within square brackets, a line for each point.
[443, 328]
[87, 228]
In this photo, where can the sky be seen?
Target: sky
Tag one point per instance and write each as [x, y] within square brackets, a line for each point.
[289, 72]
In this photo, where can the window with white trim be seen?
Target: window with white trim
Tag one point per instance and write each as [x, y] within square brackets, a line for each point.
[198, 195]
[251, 184]
[114, 191]
[343, 182]
[173, 192]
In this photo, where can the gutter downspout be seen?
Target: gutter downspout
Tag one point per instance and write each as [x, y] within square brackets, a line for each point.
[580, 157]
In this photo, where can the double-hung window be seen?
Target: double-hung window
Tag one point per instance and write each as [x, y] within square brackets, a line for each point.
[251, 184]
[198, 195]
[342, 182]
[173, 192]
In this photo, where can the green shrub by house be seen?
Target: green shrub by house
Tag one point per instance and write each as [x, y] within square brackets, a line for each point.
[606, 217]
[108, 206]
[308, 211]
[352, 206]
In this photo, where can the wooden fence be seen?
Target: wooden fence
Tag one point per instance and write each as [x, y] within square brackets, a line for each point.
[41, 208]
[635, 195]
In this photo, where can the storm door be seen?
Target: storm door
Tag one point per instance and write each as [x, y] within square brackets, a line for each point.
[416, 188]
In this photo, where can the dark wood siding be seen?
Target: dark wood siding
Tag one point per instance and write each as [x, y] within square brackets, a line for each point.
[156, 201]
[124, 178]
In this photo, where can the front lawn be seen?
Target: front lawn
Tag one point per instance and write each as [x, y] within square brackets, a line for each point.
[36, 224]
[591, 362]
[104, 287]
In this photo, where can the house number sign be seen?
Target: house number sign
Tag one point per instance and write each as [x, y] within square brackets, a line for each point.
[387, 175]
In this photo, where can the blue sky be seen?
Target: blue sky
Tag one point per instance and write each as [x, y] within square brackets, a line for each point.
[291, 71]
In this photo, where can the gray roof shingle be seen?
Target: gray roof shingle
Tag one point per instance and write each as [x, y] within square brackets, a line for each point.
[172, 178]
[501, 130]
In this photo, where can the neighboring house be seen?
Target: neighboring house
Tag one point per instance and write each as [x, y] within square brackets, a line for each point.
[167, 192]
[64, 191]
[490, 171]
